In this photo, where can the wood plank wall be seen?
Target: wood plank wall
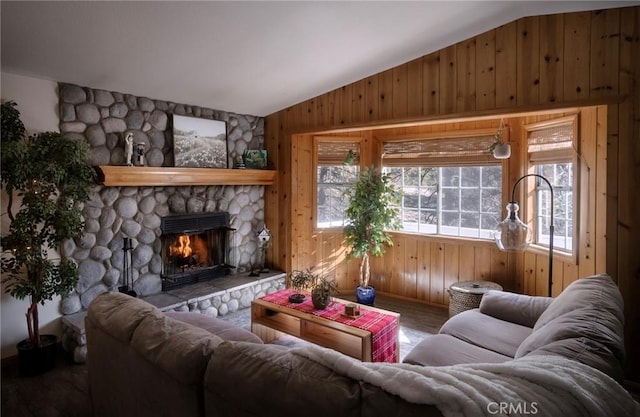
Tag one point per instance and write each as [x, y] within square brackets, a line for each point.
[535, 63]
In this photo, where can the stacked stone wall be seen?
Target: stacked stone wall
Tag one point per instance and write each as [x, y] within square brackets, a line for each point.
[103, 119]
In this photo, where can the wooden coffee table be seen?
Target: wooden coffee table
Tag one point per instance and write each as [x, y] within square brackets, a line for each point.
[269, 320]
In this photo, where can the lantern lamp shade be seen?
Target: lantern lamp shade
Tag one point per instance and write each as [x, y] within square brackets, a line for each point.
[512, 235]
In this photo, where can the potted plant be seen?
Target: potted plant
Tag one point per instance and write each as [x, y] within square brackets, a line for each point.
[322, 289]
[47, 176]
[373, 210]
[299, 280]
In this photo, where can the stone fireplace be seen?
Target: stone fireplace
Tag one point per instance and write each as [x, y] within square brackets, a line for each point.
[194, 248]
[103, 119]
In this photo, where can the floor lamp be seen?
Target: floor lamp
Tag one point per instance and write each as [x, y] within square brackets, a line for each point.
[512, 235]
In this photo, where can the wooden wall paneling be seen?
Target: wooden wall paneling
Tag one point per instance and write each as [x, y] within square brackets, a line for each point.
[447, 80]
[630, 119]
[542, 275]
[557, 279]
[466, 267]
[482, 263]
[410, 273]
[569, 273]
[466, 76]
[272, 209]
[414, 86]
[626, 155]
[403, 267]
[529, 274]
[577, 29]
[516, 268]
[616, 195]
[359, 103]
[385, 95]
[500, 269]
[583, 78]
[338, 111]
[400, 91]
[605, 60]
[306, 111]
[372, 98]
[347, 105]
[423, 273]
[528, 64]
[436, 284]
[451, 264]
[551, 58]
[304, 246]
[330, 109]
[380, 277]
[600, 192]
[506, 65]
[431, 84]
[485, 73]
[587, 207]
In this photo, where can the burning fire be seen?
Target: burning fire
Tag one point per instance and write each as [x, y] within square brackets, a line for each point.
[182, 247]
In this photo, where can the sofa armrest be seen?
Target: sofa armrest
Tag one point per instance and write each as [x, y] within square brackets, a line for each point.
[515, 308]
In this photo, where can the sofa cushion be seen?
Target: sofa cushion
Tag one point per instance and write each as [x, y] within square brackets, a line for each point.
[586, 351]
[486, 332]
[276, 380]
[221, 328]
[118, 314]
[444, 349]
[515, 308]
[598, 291]
[588, 309]
[179, 349]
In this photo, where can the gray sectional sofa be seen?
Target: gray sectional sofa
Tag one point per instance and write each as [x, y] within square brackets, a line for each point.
[536, 355]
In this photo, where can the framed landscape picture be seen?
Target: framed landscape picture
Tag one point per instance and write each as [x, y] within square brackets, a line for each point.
[199, 143]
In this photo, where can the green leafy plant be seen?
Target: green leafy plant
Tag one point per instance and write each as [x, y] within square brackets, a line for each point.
[50, 175]
[373, 210]
[321, 288]
[307, 280]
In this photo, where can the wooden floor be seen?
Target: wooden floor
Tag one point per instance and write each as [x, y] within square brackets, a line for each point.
[64, 391]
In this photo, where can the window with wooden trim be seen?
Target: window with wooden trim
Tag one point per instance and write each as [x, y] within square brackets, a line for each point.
[452, 185]
[551, 153]
[333, 178]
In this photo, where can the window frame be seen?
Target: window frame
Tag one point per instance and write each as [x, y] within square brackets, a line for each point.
[530, 195]
[316, 163]
[486, 159]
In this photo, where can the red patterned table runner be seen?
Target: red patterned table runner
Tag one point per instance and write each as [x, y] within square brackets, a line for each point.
[383, 327]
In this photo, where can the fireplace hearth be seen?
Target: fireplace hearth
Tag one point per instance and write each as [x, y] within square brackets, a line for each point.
[194, 248]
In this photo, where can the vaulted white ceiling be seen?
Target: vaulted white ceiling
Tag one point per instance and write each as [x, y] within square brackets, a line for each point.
[248, 57]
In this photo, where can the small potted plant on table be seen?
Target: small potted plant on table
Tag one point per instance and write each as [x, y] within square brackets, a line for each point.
[373, 210]
[50, 175]
[322, 289]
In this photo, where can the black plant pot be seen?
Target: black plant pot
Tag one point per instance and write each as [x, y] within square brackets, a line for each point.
[320, 299]
[37, 360]
[365, 295]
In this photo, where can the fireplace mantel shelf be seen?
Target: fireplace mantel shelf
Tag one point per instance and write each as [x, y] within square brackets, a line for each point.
[126, 176]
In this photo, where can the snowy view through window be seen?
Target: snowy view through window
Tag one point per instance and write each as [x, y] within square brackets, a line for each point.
[454, 201]
[561, 178]
[333, 181]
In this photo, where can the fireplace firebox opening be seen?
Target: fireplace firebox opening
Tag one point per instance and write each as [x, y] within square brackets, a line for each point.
[194, 248]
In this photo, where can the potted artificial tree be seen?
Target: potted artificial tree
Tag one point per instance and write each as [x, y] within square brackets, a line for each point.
[373, 211]
[47, 176]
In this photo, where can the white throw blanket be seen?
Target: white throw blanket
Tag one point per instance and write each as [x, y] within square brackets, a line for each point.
[537, 385]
